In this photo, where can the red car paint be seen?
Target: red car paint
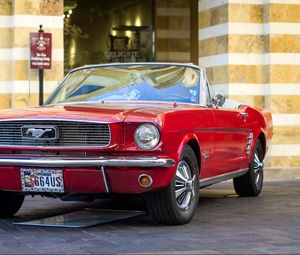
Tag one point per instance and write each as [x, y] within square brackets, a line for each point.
[220, 134]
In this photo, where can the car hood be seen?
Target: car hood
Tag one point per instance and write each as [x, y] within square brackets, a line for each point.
[107, 112]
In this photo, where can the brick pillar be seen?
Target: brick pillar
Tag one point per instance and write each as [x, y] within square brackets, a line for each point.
[19, 18]
[172, 30]
[282, 57]
[251, 51]
[5, 46]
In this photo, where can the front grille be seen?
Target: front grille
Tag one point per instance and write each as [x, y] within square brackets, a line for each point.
[71, 134]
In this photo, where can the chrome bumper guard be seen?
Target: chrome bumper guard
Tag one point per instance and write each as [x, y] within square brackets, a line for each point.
[88, 162]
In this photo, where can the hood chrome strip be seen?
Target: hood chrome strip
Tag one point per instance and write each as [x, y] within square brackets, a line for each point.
[54, 119]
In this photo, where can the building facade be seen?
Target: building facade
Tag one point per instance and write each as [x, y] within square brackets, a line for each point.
[250, 49]
[18, 83]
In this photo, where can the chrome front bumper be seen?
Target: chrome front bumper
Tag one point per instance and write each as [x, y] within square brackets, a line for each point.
[87, 162]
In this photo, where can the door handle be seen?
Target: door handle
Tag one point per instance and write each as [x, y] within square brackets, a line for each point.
[243, 115]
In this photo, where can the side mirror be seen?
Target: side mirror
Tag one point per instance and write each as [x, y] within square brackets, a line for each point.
[218, 100]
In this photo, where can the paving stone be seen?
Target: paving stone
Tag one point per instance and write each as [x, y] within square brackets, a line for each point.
[223, 224]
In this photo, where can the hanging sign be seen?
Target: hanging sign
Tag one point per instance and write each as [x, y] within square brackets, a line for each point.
[40, 50]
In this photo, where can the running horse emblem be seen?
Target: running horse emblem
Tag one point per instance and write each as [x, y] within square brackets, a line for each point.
[37, 133]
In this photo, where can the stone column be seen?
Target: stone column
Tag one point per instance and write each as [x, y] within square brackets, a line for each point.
[231, 47]
[282, 57]
[22, 17]
[172, 30]
[251, 51]
[5, 46]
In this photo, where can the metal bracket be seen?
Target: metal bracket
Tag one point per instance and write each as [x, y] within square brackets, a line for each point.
[105, 180]
[243, 115]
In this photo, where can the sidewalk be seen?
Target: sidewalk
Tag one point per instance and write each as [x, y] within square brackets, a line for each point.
[278, 173]
[223, 224]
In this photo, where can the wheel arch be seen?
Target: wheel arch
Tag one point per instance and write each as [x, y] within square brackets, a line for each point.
[193, 143]
[262, 139]
[192, 140]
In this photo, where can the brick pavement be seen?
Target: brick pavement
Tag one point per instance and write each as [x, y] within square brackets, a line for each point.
[223, 224]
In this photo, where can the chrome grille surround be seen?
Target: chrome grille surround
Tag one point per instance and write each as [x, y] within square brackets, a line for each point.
[72, 133]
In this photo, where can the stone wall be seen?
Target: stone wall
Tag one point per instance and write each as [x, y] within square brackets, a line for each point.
[251, 51]
[250, 48]
[172, 30]
[19, 84]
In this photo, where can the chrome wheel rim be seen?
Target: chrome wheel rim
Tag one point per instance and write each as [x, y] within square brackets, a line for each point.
[258, 166]
[184, 185]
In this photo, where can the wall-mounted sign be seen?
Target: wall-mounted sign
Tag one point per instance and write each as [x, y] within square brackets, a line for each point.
[40, 50]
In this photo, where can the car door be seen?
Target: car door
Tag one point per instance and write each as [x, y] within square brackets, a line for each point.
[206, 133]
[231, 136]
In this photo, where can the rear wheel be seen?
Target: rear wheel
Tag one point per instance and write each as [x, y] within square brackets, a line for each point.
[177, 203]
[10, 203]
[251, 183]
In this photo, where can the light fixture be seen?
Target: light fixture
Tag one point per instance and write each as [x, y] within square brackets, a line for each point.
[146, 136]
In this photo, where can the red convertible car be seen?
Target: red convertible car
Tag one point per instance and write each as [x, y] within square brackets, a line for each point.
[134, 128]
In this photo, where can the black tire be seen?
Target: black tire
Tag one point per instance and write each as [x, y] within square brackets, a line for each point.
[10, 203]
[164, 206]
[251, 183]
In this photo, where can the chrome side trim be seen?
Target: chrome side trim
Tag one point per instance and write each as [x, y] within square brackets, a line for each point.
[223, 177]
[105, 180]
[87, 162]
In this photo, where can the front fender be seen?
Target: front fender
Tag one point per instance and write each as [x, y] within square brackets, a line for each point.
[185, 140]
[173, 146]
[176, 141]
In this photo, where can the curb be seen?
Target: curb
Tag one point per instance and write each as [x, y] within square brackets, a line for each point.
[274, 173]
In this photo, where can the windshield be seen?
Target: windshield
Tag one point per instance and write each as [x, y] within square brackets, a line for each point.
[136, 82]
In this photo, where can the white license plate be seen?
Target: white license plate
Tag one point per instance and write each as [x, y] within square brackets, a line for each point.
[42, 180]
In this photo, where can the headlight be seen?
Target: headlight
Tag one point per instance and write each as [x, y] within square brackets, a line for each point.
[146, 136]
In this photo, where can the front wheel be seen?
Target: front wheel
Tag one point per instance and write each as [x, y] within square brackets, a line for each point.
[10, 203]
[251, 183]
[177, 203]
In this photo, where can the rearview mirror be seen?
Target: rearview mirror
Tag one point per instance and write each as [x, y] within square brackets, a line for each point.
[218, 100]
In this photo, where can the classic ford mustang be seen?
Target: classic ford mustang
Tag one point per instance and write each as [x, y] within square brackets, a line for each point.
[134, 128]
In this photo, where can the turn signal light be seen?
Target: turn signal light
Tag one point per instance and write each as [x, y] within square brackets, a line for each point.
[145, 180]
